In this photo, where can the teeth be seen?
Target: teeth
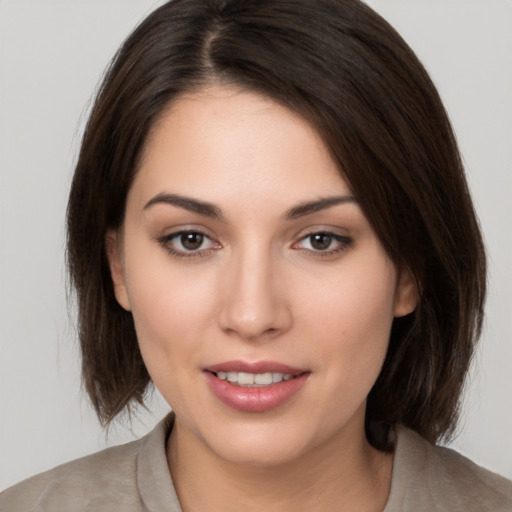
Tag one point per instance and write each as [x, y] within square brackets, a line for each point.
[253, 379]
[245, 379]
[263, 378]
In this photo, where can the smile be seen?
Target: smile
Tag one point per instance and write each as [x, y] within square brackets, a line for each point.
[255, 387]
[254, 379]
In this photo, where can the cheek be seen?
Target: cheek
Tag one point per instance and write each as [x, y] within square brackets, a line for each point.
[169, 316]
[357, 302]
[351, 320]
[170, 306]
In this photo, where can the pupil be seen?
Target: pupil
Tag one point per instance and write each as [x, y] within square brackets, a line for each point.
[321, 241]
[191, 241]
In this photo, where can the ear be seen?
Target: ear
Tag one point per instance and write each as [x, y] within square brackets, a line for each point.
[407, 295]
[112, 247]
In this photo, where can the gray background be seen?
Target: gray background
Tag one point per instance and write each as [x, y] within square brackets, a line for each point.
[51, 56]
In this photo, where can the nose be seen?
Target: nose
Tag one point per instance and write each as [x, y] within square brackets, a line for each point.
[254, 300]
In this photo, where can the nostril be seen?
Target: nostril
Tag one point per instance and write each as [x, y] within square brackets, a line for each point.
[253, 311]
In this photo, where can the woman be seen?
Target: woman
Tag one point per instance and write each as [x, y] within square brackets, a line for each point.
[269, 221]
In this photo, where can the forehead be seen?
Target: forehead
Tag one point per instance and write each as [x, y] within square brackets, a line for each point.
[223, 142]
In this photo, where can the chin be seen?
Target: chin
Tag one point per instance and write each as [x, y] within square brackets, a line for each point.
[261, 455]
[260, 445]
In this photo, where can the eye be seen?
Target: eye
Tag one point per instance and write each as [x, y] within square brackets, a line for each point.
[323, 242]
[188, 243]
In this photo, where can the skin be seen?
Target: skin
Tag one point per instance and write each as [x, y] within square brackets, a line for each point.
[258, 288]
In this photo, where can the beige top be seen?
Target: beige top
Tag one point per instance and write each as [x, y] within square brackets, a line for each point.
[134, 477]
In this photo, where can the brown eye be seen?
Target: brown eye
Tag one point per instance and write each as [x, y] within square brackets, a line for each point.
[321, 241]
[188, 244]
[191, 241]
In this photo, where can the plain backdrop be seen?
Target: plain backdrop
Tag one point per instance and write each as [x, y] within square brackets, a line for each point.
[52, 53]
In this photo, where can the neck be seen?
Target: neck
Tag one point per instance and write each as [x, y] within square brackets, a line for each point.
[345, 473]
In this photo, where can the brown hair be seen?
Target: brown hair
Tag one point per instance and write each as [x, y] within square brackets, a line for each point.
[348, 72]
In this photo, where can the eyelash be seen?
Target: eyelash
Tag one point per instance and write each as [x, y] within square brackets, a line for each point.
[342, 243]
[167, 240]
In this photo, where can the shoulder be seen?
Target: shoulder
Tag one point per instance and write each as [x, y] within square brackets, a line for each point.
[427, 477]
[89, 483]
[131, 477]
[470, 479]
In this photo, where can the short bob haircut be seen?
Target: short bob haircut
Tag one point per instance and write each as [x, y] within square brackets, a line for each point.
[351, 76]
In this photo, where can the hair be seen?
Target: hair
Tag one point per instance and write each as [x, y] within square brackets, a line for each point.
[353, 78]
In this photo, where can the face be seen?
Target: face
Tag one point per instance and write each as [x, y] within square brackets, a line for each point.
[261, 296]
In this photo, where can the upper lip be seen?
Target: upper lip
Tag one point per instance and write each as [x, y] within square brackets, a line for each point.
[254, 367]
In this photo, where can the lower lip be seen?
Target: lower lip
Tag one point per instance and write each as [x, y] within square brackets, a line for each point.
[255, 399]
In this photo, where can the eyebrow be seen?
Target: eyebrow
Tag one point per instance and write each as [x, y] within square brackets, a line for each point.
[210, 210]
[310, 207]
[187, 203]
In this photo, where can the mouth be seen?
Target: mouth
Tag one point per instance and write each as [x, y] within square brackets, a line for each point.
[254, 380]
[254, 387]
